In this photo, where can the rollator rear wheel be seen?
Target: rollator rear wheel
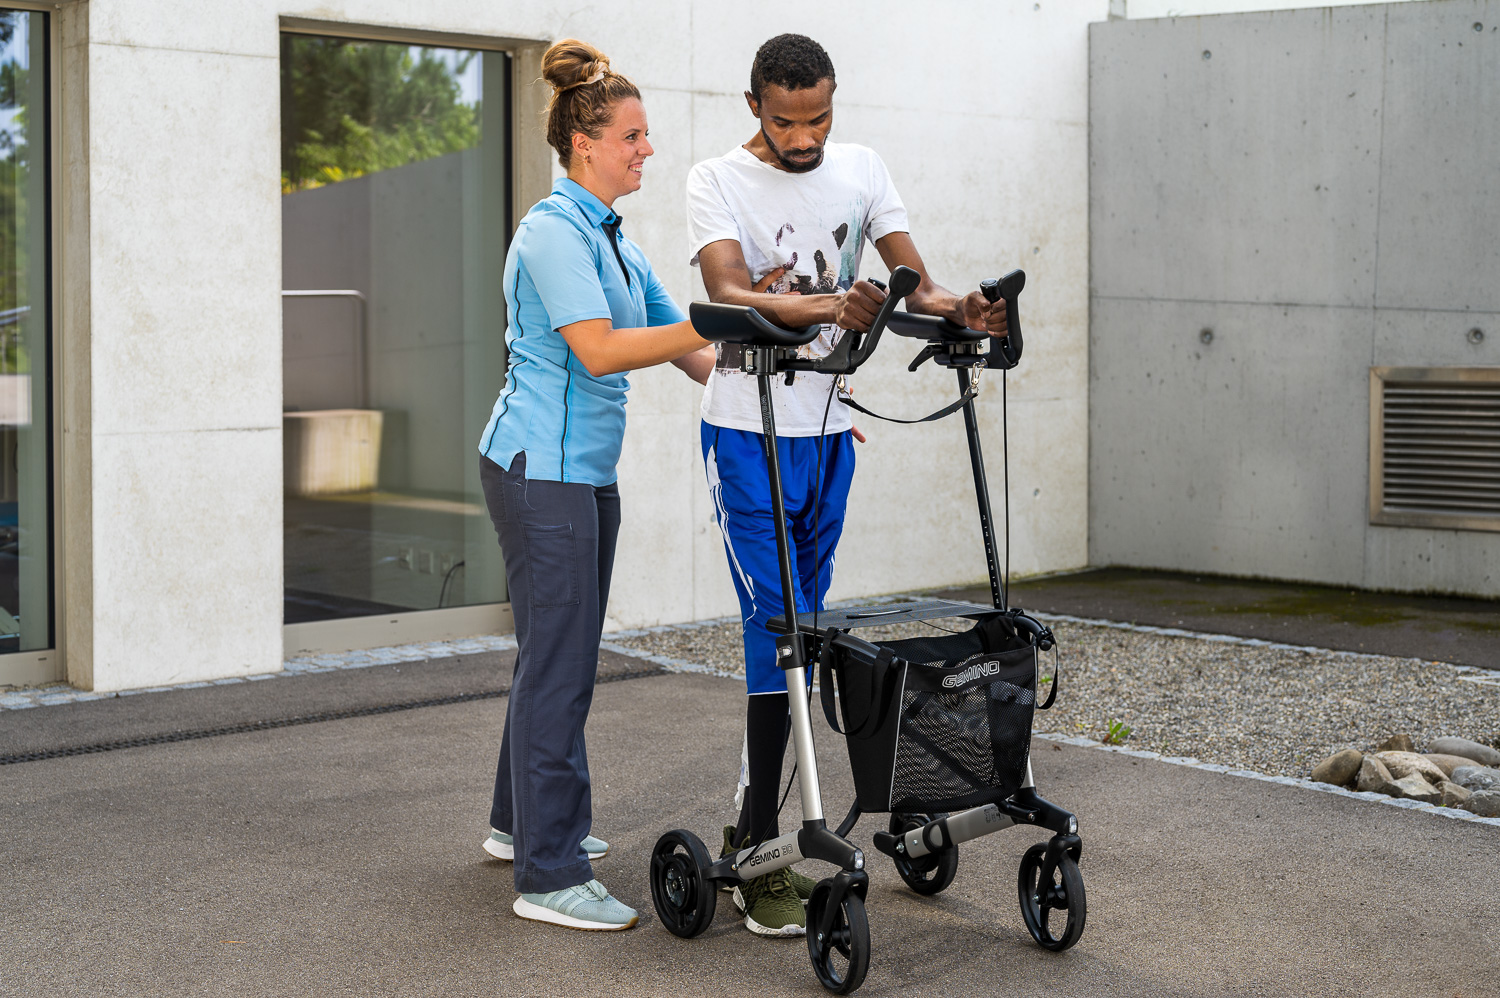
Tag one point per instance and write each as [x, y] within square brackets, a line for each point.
[684, 900]
[929, 874]
[841, 958]
[1050, 897]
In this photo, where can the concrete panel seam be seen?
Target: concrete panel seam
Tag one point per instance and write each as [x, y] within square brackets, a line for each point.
[276, 427]
[276, 57]
[1385, 34]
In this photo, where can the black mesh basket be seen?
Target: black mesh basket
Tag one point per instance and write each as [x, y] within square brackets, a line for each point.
[941, 723]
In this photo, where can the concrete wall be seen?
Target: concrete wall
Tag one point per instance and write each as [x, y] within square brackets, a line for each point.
[171, 354]
[1193, 8]
[1320, 189]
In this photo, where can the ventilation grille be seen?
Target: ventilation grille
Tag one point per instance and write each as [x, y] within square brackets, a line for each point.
[1435, 447]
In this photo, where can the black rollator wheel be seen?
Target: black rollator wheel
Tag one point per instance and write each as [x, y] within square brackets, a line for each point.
[1045, 892]
[928, 874]
[684, 900]
[841, 956]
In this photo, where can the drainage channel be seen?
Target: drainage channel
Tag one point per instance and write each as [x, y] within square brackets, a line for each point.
[288, 722]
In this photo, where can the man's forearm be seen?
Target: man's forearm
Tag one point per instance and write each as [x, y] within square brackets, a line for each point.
[936, 300]
[791, 311]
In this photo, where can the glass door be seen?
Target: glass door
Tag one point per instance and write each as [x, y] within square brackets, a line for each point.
[395, 218]
[25, 339]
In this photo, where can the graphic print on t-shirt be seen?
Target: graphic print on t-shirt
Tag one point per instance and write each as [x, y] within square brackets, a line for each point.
[819, 259]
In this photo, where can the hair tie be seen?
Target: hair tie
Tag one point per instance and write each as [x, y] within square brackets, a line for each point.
[583, 83]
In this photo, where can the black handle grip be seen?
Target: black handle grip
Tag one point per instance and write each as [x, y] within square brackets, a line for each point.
[1009, 288]
[903, 282]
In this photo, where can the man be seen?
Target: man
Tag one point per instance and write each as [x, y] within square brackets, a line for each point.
[780, 224]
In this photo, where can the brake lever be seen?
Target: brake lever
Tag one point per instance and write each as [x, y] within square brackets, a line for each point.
[1009, 288]
[930, 351]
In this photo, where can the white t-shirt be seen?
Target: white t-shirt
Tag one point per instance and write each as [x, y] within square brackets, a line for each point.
[815, 225]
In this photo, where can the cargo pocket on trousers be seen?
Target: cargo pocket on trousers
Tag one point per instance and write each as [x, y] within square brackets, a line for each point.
[553, 553]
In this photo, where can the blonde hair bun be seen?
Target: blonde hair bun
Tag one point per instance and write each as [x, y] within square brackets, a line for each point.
[572, 63]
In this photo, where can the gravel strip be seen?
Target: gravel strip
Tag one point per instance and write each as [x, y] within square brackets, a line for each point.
[1270, 709]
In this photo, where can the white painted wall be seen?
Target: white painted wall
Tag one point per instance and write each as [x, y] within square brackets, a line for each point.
[174, 327]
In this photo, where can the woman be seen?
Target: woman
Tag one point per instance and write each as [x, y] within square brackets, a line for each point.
[584, 307]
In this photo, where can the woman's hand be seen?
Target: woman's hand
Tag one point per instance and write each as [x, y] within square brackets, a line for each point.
[759, 287]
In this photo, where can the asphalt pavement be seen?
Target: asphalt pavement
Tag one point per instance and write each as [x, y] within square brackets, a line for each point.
[339, 854]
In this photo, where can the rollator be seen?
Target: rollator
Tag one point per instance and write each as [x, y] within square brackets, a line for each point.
[933, 725]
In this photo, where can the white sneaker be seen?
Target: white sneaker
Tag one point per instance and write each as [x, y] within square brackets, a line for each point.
[501, 846]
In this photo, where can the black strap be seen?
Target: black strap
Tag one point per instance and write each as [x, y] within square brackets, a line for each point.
[946, 410]
[1052, 693]
[882, 678]
[613, 228]
[825, 684]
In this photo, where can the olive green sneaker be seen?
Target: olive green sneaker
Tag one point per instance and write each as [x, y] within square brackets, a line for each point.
[803, 885]
[771, 905]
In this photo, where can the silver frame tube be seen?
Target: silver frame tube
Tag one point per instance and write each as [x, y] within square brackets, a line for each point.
[778, 854]
[802, 741]
[966, 825]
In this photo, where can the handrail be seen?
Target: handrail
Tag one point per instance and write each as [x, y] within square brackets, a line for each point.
[361, 333]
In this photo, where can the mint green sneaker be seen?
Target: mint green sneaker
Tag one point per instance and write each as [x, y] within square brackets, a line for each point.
[771, 905]
[501, 846]
[587, 906]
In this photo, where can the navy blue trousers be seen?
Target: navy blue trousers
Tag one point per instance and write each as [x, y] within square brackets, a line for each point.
[559, 544]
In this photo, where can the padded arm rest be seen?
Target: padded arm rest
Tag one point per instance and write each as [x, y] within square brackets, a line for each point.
[932, 327]
[743, 324]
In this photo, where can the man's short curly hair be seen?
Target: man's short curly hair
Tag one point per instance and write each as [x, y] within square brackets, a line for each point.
[795, 62]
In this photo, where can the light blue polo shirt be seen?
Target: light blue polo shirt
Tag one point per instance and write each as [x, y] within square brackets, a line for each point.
[562, 269]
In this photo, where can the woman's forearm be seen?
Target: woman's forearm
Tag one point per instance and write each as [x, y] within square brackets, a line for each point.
[697, 365]
[606, 350]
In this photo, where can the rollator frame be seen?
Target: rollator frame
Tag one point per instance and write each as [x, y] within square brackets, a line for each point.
[769, 351]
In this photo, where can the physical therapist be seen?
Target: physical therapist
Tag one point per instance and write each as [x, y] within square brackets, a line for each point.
[584, 308]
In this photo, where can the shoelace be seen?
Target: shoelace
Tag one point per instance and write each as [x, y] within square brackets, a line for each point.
[593, 890]
[778, 884]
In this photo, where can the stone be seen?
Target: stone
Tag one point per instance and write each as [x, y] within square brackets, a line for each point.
[1397, 743]
[1413, 787]
[1447, 763]
[1482, 754]
[1402, 764]
[1485, 803]
[1340, 769]
[1373, 776]
[1453, 794]
[1477, 777]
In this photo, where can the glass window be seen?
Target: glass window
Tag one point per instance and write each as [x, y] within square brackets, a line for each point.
[25, 324]
[395, 216]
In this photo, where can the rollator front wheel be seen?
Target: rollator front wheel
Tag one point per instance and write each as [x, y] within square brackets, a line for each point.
[684, 900]
[1045, 893]
[929, 874]
[841, 956]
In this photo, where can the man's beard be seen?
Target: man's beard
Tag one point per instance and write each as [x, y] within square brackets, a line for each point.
[792, 166]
